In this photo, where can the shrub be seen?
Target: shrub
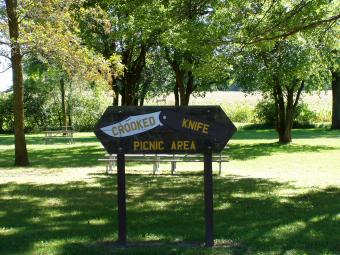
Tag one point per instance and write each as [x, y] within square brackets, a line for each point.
[242, 113]
[265, 113]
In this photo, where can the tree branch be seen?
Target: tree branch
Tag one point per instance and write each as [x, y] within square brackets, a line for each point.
[299, 94]
[288, 16]
[296, 30]
[6, 69]
[5, 43]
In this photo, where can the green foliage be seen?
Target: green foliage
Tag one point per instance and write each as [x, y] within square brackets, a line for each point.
[265, 113]
[242, 113]
[6, 112]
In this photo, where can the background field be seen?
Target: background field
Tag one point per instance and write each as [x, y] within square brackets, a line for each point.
[240, 107]
[270, 199]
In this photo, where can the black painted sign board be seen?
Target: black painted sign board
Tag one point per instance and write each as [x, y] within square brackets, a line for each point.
[164, 129]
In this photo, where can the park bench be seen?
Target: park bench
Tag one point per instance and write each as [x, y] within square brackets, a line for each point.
[62, 132]
[161, 99]
[156, 159]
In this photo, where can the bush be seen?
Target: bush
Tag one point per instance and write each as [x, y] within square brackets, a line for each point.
[242, 113]
[265, 113]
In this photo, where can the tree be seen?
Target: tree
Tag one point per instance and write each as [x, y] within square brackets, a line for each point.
[335, 100]
[182, 48]
[156, 78]
[34, 27]
[332, 46]
[21, 155]
[282, 71]
[126, 29]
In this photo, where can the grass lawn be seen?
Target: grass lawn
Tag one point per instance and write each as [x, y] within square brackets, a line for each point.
[270, 199]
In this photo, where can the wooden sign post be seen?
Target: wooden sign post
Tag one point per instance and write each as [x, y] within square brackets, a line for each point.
[165, 130]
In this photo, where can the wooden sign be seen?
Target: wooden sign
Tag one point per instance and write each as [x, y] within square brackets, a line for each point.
[164, 129]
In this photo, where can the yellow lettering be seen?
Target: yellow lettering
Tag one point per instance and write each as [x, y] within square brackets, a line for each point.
[173, 145]
[180, 145]
[191, 124]
[186, 145]
[136, 145]
[145, 145]
[152, 146]
[193, 146]
[205, 128]
[148, 145]
[161, 145]
[195, 125]
[199, 126]
[185, 123]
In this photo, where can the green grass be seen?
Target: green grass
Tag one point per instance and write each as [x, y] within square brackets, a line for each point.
[270, 199]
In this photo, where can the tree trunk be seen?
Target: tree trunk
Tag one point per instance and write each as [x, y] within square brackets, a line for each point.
[21, 155]
[132, 74]
[1, 128]
[176, 95]
[285, 134]
[180, 87]
[115, 90]
[129, 88]
[60, 119]
[63, 102]
[69, 115]
[286, 111]
[190, 87]
[144, 90]
[136, 101]
[336, 100]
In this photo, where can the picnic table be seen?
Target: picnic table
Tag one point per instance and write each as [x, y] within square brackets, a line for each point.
[156, 159]
[63, 132]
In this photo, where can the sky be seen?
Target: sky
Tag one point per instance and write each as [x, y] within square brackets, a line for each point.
[6, 77]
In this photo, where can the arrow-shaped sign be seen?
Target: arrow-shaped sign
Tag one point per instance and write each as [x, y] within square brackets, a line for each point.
[166, 129]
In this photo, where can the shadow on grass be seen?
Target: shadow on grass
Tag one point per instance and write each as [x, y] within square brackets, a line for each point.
[87, 156]
[251, 151]
[81, 218]
[296, 134]
[37, 139]
[75, 156]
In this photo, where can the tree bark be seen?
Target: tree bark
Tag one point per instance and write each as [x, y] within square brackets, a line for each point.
[144, 90]
[180, 85]
[284, 136]
[132, 74]
[115, 89]
[189, 88]
[286, 111]
[335, 100]
[21, 155]
[176, 95]
[69, 115]
[182, 92]
[63, 102]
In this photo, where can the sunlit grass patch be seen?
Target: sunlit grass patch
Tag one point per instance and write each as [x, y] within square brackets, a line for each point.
[270, 199]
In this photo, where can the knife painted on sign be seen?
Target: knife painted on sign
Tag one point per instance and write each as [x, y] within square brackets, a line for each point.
[137, 124]
[133, 125]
